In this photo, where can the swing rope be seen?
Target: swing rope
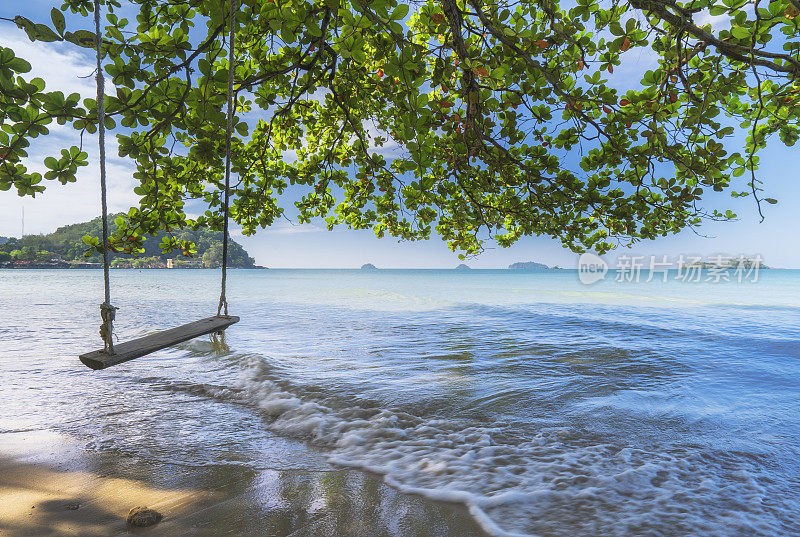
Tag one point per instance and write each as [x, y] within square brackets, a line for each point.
[223, 301]
[107, 311]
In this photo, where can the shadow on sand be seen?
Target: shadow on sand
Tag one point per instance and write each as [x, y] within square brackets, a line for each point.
[69, 492]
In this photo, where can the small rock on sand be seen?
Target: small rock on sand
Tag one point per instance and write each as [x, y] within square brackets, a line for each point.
[142, 517]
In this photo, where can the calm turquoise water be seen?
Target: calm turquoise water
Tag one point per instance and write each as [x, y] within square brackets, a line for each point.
[548, 407]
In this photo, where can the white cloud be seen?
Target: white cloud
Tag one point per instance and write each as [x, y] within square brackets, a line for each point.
[59, 64]
[75, 202]
[61, 67]
[717, 22]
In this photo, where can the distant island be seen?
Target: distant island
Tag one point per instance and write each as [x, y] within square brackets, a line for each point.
[64, 248]
[462, 266]
[368, 266]
[527, 265]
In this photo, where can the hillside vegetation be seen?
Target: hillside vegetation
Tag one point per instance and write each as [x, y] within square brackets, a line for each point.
[66, 243]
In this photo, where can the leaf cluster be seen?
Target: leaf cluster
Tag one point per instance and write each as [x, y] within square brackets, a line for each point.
[468, 118]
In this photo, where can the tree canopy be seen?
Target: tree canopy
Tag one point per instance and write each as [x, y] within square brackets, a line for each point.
[473, 118]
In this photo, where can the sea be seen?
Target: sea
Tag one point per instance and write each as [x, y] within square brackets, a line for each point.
[545, 406]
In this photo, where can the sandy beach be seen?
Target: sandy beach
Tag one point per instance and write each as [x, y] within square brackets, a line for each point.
[50, 486]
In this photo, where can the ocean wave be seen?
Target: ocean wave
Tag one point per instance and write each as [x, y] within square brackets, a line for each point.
[554, 481]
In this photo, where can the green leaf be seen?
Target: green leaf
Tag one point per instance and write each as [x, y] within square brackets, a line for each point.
[19, 65]
[740, 33]
[58, 20]
[82, 38]
[44, 33]
[399, 12]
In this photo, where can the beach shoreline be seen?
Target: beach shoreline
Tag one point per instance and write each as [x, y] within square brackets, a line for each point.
[51, 485]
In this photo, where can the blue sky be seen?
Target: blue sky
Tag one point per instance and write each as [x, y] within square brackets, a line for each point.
[287, 245]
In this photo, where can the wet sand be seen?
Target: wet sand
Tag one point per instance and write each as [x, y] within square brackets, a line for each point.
[50, 486]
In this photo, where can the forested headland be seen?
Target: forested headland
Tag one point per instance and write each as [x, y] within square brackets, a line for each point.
[65, 247]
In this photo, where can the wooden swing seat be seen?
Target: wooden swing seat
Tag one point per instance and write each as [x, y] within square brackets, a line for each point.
[142, 346]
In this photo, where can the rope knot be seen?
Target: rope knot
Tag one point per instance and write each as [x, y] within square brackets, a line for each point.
[108, 313]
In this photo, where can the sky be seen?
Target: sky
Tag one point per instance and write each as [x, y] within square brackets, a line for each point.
[287, 245]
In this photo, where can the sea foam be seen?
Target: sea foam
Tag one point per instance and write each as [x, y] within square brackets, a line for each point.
[555, 481]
